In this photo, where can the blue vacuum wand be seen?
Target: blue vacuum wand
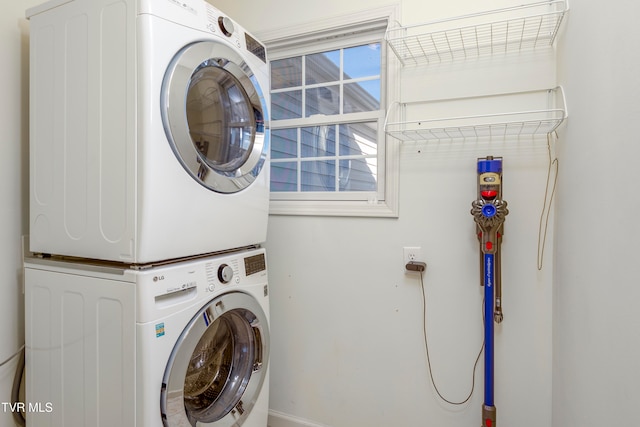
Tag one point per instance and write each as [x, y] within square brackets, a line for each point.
[489, 212]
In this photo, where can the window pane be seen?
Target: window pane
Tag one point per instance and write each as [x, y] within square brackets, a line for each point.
[359, 139]
[286, 105]
[362, 61]
[362, 96]
[318, 141]
[358, 174]
[320, 150]
[323, 67]
[284, 176]
[284, 144]
[319, 175]
[323, 100]
[286, 73]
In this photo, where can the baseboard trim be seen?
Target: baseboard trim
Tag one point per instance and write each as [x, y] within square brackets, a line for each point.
[279, 419]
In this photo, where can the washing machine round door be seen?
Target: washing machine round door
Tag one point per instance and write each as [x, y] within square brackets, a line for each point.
[214, 116]
[218, 365]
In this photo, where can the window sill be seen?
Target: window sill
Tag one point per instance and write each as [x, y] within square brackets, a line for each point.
[382, 209]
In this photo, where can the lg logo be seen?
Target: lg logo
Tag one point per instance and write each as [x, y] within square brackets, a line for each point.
[157, 278]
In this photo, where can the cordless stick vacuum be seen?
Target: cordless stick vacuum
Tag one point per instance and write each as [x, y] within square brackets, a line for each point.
[489, 212]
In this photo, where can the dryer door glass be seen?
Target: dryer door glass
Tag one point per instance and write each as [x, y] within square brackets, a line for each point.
[218, 365]
[213, 111]
[221, 122]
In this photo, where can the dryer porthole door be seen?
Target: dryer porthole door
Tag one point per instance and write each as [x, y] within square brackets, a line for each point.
[214, 116]
[218, 365]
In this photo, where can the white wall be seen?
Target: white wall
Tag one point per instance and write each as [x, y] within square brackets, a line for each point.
[347, 347]
[14, 81]
[597, 297]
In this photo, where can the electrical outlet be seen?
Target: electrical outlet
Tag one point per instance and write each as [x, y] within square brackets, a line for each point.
[412, 254]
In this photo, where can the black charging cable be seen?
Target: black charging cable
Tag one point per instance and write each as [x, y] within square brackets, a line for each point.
[420, 267]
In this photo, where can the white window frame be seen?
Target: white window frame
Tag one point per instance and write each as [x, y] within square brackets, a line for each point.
[326, 35]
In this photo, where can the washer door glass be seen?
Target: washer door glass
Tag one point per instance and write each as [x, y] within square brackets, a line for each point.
[213, 111]
[218, 365]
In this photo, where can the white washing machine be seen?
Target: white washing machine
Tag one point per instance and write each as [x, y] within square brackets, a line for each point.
[149, 131]
[179, 345]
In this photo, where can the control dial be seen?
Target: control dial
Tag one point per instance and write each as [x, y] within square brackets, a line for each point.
[226, 25]
[225, 273]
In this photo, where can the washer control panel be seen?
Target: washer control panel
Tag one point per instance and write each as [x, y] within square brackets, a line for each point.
[255, 264]
[168, 286]
[222, 273]
[209, 275]
[225, 273]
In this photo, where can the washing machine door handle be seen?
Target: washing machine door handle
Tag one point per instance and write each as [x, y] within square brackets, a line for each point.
[215, 116]
[258, 361]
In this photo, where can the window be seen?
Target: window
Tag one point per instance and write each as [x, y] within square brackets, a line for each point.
[329, 94]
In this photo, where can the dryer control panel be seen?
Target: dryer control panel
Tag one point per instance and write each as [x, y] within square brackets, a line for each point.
[256, 48]
[223, 25]
[230, 30]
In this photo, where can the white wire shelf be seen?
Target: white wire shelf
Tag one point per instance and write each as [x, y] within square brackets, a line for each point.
[506, 30]
[493, 125]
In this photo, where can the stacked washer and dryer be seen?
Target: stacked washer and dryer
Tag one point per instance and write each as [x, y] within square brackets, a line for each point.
[146, 286]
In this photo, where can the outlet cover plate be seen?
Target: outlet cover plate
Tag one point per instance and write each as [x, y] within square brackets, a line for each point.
[412, 253]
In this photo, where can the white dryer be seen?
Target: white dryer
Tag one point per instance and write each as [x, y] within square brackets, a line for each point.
[180, 345]
[149, 133]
